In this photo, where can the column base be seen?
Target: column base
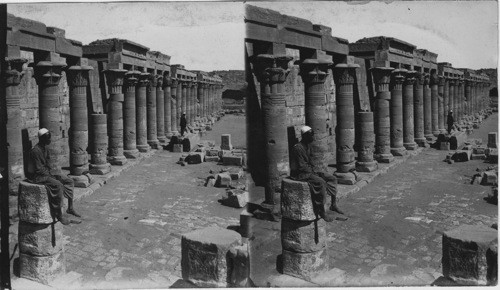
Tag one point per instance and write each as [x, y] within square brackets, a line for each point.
[82, 181]
[143, 148]
[346, 167]
[347, 178]
[435, 133]
[162, 139]
[411, 146]
[79, 170]
[384, 158]
[443, 131]
[154, 144]
[429, 137]
[117, 160]
[100, 169]
[422, 142]
[366, 166]
[131, 154]
[168, 135]
[401, 151]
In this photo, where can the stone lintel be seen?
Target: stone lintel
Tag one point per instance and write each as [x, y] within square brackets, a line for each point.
[32, 41]
[118, 57]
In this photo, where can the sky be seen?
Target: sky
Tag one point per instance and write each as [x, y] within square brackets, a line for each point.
[209, 36]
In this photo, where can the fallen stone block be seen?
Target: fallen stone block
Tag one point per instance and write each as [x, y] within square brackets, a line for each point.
[479, 150]
[296, 203]
[236, 173]
[42, 269]
[204, 256]
[489, 178]
[477, 156]
[212, 152]
[462, 156]
[40, 240]
[444, 146]
[177, 148]
[232, 160]
[195, 158]
[303, 236]
[492, 156]
[223, 180]
[305, 265]
[467, 258]
[236, 198]
[226, 142]
[34, 204]
[212, 158]
[210, 181]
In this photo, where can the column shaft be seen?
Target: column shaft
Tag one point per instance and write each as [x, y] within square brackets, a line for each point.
[441, 111]
[99, 154]
[408, 117]
[418, 110]
[160, 110]
[151, 129]
[129, 118]
[365, 162]
[396, 113]
[141, 113]
[179, 104]
[434, 82]
[167, 106]
[427, 107]
[381, 77]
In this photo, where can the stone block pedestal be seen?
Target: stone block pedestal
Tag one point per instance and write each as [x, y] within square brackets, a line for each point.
[348, 178]
[469, 255]
[205, 256]
[41, 245]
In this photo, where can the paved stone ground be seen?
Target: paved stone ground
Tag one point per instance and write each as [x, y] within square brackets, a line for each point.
[130, 236]
[394, 231]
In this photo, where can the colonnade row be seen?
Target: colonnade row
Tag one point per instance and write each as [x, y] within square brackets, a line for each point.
[409, 109]
[143, 112]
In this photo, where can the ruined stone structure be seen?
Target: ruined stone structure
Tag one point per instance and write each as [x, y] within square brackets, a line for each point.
[92, 98]
[374, 99]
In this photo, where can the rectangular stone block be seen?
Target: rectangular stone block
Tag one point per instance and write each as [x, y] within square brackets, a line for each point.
[42, 269]
[234, 160]
[34, 204]
[467, 258]
[212, 158]
[212, 152]
[296, 203]
[40, 240]
[226, 142]
[223, 179]
[492, 140]
[479, 150]
[303, 236]
[444, 146]
[204, 256]
[177, 148]
[236, 173]
[462, 155]
[305, 265]
[489, 178]
[195, 158]
[236, 198]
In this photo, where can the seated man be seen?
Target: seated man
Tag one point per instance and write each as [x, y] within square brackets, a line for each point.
[322, 184]
[57, 186]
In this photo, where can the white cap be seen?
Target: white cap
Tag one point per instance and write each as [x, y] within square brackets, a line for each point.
[305, 129]
[42, 132]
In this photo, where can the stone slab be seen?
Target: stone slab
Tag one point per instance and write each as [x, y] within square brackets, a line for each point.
[204, 253]
[42, 269]
[239, 266]
[40, 240]
[303, 236]
[466, 256]
[226, 142]
[177, 148]
[212, 158]
[296, 203]
[195, 158]
[232, 160]
[305, 265]
[34, 204]
[223, 179]
[236, 198]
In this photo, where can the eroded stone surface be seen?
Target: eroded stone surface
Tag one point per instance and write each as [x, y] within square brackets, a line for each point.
[303, 236]
[40, 240]
[33, 204]
[304, 265]
[42, 269]
[296, 203]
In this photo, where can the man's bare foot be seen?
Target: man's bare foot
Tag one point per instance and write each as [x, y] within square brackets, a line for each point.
[73, 212]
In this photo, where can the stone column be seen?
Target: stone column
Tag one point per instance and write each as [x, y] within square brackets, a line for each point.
[427, 108]
[460, 102]
[114, 79]
[271, 71]
[179, 101]
[455, 99]
[141, 112]
[99, 154]
[78, 80]
[151, 113]
[446, 96]
[167, 106]
[314, 73]
[160, 110]
[451, 101]
[382, 78]
[418, 109]
[184, 103]
[173, 106]
[189, 102]
[48, 75]
[207, 100]
[396, 113]
[345, 77]
[468, 96]
[434, 82]
[365, 162]
[201, 96]
[194, 101]
[13, 76]
[441, 110]
[129, 118]
[408, 119]
[211, 99]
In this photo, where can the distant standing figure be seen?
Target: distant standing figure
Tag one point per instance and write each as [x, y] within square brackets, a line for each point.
[450, 121]
[57, 185]
[183, 123]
